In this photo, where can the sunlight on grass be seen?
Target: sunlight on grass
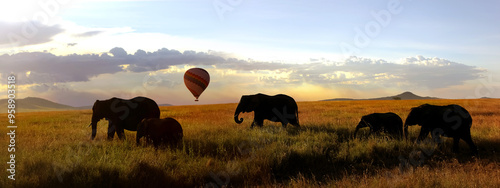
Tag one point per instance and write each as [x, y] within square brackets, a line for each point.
[55, 150]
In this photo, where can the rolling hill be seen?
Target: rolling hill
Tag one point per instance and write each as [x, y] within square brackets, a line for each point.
[403, 96]
[33, 104]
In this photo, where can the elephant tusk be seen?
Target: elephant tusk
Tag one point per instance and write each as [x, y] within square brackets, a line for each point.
[90, 124]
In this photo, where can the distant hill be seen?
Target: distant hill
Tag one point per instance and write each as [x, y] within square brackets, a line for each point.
[33, 104]
[403, 96]
[90, 107]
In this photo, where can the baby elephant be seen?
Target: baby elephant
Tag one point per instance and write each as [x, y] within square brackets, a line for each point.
[389, 123]
[159, 131]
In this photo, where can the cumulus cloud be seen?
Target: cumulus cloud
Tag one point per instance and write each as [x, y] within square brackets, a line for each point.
[118, 52]
[438, 73]
[41, 67]
[38, 67]
[418, 71]
[26, 33]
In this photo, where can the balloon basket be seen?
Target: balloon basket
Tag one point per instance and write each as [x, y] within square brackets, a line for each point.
[196, 100]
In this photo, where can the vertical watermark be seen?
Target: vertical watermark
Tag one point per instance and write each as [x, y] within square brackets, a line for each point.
[11, 127]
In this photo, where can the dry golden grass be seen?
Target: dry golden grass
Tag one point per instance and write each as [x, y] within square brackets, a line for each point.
[54, 150]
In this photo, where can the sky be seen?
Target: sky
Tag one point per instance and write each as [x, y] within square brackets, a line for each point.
[75, 52]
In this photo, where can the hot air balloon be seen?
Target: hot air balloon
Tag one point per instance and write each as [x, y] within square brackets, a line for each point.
[196, 80]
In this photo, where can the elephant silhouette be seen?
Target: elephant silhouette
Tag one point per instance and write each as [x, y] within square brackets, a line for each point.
[450, 121]
[122, 114]
[389, 123]
[279, 108]
[160, 131]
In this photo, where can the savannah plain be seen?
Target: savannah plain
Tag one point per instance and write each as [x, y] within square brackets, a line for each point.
[54, 149]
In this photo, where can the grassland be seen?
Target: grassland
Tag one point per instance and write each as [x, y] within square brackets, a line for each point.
[54, 150]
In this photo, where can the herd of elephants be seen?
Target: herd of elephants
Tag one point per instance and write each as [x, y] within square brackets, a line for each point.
[142, 114]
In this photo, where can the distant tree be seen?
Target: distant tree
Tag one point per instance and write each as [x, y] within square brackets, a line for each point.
[396, 98]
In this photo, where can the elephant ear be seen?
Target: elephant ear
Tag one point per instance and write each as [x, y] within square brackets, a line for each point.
[96, 103]
[98, 109]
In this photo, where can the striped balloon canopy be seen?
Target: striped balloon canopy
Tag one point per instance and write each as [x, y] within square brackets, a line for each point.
[196, 80]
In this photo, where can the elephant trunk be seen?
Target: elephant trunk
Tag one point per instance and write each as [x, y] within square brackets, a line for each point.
[360, 125]
[356, 131]
[236, 114]
[238, 121]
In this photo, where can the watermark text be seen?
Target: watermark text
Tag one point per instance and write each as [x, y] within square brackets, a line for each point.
[11, 126]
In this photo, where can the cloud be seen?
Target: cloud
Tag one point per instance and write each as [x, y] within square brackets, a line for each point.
[88, 34]
[118, 52]
[164, 58]
[26, 33]
[38, 67]
[438, 73]
[416, 71]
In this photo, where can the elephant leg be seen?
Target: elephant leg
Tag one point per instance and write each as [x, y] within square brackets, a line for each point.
[111, 131]
[467, 138]
[375, 131]
[295, 123]
[167, 141]
[121, 134]
[156, 143]
[393, 133]
[456, 141]
[400, 133]
[423, 134]
[175, 141]
[259, 122]
[283, 124]
[253, 123]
